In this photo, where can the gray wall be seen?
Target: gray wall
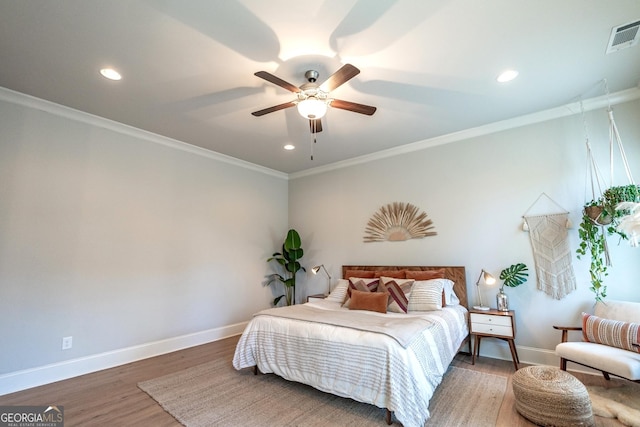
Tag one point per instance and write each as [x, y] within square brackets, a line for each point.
[121, 238]
[137, 245]
[476, 190]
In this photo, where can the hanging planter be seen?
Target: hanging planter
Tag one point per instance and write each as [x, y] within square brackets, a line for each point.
[604, 214]
[597, 214]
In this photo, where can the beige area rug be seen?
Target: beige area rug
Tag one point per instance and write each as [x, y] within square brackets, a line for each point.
[621, 402]
[215, 394]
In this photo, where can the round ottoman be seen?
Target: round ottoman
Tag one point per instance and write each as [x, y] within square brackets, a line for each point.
[550, 397]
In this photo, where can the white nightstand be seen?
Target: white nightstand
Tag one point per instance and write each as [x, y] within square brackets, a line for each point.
[493, 324]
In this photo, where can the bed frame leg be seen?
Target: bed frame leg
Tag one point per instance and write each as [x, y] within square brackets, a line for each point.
[388, 418]
[255, 370]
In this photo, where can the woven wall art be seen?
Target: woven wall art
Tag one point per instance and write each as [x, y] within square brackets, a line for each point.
[397, 222]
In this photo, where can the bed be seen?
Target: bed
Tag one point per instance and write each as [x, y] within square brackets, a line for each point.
[392, 360]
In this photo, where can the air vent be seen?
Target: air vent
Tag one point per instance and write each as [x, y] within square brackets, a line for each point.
[624, 36]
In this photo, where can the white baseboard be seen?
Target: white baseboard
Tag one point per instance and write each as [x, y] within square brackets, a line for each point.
[28, 378]
[497, 349]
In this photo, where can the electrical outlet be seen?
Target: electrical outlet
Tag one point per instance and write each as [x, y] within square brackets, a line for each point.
[67, 343]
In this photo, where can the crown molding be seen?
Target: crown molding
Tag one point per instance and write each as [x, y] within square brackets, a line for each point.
[25, 100]
[528, 119]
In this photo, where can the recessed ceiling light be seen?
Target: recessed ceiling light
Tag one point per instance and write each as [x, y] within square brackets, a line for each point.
[110, 74]
[507, 76]
[289, 147]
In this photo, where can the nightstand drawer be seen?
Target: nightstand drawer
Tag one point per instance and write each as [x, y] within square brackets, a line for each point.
[491, 319]
[484, 328]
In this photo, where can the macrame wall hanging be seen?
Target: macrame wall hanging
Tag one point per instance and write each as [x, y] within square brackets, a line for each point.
[397, 222]
[551, 252]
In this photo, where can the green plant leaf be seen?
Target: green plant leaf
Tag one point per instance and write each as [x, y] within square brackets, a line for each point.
[514, 275]
[292, 241]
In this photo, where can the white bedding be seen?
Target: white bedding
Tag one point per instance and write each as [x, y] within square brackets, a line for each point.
[369, 367]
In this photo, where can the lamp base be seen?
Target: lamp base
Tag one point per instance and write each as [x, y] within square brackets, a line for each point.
[481, 307]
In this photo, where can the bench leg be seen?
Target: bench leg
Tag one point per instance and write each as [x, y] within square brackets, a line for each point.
[388, 417]
[563, 364]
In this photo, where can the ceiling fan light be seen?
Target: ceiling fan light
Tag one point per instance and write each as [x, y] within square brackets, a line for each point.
[507, 76]
[110, 73]
[312, 108]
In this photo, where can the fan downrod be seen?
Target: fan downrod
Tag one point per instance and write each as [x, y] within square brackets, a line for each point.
[311, 76]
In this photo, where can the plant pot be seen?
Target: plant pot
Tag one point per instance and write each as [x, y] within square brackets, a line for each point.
[598, 215]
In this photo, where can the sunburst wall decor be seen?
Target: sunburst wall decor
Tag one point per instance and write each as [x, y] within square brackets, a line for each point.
[396, 222]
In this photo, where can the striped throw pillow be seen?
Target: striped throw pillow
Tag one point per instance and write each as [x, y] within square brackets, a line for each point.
[614, 333]
[399, 291]
[426, 295]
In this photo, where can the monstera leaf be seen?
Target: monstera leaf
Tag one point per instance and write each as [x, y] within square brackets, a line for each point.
[514, 275]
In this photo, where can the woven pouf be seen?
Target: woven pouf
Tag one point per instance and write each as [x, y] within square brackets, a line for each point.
[550, 397]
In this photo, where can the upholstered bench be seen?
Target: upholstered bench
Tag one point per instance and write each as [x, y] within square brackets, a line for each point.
[548, 396]
[611, 340]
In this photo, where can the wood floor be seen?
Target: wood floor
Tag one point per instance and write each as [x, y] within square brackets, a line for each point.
[112, 398]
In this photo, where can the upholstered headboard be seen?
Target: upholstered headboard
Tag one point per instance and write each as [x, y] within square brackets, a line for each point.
[455, 274]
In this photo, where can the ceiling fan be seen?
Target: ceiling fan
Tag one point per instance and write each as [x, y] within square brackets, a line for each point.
[313, 99]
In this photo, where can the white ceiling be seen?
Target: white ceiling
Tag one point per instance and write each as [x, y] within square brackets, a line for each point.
[429, 66]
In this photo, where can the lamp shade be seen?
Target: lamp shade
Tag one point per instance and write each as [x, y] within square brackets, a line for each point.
[317, 268]
[312, 108]
[487, 279]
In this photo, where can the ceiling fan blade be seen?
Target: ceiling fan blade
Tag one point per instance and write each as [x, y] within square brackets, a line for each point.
[315, 125]
[274, 108]
[352, 106]
[343, 75]
[277, 81]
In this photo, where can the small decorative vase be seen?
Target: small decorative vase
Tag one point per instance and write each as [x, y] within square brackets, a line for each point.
[502, 301]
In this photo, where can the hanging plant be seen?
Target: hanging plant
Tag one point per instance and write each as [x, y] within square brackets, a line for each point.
[593, 231]
[613, 197]
[594, 243]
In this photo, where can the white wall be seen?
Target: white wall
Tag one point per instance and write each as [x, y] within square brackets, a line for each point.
[131, 243]
[476, 191]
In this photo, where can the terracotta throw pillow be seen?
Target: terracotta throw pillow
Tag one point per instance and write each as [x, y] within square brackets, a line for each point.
[424, 275]
[396, 274]
[359, 273]
[370, 301]
[614, 333]
[360, 284]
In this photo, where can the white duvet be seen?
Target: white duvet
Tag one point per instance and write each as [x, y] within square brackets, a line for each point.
[369, 367]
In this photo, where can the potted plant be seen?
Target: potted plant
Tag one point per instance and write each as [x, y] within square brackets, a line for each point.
[613, 197]
[512, 276]
[288, 261]
[594, 242]
[593, 234]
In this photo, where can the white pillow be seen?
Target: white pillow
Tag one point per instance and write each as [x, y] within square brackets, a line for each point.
[450, 297]
[426, 295]
[339, 293]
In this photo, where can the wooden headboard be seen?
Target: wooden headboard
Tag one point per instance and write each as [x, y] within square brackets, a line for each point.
[455, 274]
